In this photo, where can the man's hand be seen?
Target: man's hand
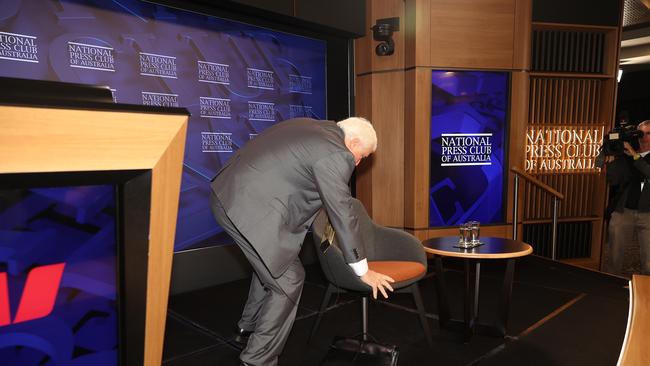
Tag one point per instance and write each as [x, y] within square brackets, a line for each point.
[629, 150]
[379, 281]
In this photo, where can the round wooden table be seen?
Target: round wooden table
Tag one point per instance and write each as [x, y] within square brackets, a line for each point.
[492, 248]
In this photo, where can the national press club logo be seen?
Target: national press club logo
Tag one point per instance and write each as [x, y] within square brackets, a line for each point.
[214, 107]
[296, 111]
[152, 64]
[260, 79]
[466, 149]
[299, 84]
[159, 99]
[261, 111]
[88, 56]
[212, 72]
[216, 142]
[18, 47]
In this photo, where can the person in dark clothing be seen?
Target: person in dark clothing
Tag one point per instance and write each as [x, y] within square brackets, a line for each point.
[630, 219]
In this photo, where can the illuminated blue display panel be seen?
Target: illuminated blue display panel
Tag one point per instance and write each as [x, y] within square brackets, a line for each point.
[58, 271]
[469, 117]
[236, 79]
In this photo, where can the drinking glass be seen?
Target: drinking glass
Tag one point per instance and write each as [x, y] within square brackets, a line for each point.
[465, 238]
[475, 231]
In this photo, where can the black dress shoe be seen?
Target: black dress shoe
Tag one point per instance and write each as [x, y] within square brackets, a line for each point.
[242, 335]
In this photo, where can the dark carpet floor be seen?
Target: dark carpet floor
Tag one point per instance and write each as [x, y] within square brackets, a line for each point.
[560, 315]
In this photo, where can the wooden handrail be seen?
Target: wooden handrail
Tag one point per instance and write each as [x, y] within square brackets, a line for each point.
[537, 182]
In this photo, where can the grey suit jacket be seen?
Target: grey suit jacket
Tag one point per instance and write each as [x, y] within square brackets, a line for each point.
[273, 187]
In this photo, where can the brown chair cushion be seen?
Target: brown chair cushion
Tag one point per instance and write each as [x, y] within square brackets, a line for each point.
[398, 270]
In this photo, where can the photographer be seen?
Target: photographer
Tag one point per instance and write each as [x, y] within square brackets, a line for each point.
[628, 174]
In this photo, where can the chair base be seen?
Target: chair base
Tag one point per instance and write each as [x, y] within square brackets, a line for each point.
[414, 289]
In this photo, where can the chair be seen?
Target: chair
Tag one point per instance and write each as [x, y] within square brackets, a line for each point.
[389, 251]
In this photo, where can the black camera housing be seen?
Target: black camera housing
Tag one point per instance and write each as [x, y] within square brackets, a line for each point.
[383, 32]
[613, 141]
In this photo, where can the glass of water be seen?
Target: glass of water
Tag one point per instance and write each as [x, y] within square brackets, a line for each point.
[465, 236]
[475, 232]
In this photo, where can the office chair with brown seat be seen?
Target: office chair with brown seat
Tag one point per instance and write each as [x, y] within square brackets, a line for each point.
[392, 252]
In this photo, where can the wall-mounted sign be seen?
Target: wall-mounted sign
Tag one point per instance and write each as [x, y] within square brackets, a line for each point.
[469, 116]
[563, 149]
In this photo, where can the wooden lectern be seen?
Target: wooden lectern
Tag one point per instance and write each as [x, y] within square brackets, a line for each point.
[119, 142]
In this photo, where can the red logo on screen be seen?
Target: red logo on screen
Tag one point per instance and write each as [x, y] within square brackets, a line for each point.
[39, 294]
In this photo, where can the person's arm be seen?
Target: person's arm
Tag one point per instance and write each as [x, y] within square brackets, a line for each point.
[639, 163]
[617, 171]
[331, 175]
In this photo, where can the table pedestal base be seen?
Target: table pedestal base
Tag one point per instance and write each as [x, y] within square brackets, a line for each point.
[469, 326]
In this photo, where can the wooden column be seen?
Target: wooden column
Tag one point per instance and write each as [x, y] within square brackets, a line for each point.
[394, 92]
[380, 98]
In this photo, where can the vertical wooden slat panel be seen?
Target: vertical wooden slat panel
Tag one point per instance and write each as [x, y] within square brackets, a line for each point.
[538, 96]
[556, 100]
[563, 99]
[571, 98]
[590, 103]
[534, 104]
[542, 104]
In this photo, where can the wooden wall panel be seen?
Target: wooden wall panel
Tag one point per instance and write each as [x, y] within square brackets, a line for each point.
[572, 87]
[364, 49]
[417, 33]
[522, 31]
[363, 173]
[519, 97]
[472, 34]
[417, 112]
[380, 97]
[388, 160]
[380, 178]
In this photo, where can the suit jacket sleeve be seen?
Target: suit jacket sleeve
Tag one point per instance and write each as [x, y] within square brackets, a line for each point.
[643, 166]
[332, 174]
[618, 172]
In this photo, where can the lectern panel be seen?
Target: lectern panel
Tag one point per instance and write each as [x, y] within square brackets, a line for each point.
[58, 275]
[74, 267]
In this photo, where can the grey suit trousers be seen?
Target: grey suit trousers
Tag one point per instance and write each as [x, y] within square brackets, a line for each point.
[272, 303]
[624, 228]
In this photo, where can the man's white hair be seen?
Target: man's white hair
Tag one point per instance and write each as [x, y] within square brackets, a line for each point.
[361, 128]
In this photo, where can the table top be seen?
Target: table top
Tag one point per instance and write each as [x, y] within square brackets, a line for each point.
[493, 248]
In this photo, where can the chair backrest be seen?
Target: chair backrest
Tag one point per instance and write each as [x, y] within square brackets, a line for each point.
[332, 262]
[380, 244]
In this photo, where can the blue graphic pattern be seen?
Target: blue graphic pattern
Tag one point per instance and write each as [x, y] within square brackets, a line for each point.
[235, 79]
[75, 226]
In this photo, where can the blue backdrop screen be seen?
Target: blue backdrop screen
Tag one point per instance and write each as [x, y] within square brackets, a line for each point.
[236, 79]
[468, 147]
[58, 276]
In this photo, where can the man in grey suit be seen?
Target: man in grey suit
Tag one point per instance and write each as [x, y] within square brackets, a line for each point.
[266, 197]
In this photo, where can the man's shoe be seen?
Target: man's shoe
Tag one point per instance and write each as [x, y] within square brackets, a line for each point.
[242, 335]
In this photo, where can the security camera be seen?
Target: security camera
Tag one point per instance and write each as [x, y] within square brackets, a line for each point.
[385, 48]
[383, 32]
